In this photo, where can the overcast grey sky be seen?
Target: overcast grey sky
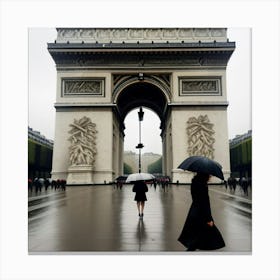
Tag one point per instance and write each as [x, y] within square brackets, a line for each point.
[42, 91]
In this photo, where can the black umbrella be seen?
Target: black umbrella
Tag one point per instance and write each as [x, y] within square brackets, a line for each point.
[203, 165]
[121, 178]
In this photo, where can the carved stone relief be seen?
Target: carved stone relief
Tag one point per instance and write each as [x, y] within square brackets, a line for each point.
[142, 34]
[169, 33]
[83, 86]
[136, 33]
[186, 33]
[200, 86]
[201, 32]
[82, 139]
[120, 33]
[200, 137]
[153, 34]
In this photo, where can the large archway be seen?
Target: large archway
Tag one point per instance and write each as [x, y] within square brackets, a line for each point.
[103, 73]
[143, 93]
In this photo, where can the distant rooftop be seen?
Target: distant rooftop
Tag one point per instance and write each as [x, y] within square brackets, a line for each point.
[144, 154]
[239, 138]
[37, 136]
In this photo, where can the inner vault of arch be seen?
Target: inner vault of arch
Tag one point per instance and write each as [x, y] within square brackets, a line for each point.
[141, 94]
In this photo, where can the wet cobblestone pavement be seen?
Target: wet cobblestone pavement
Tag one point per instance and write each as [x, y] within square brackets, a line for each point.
[105, 219]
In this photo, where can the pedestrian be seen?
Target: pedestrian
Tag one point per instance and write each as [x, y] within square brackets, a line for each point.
[38, 185]
[155, 184]
[140, 189]
[46, 183]
[63, 184]
[244, 185]
[199, 231]
[230, 183]
[234, 183]
[53, 184]
[58, 183]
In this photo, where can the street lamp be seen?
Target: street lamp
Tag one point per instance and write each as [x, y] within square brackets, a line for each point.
[140, 145]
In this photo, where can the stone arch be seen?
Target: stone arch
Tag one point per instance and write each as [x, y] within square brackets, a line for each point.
[179, 74]
[131, 92]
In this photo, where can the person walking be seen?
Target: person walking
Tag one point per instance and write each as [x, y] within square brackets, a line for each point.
[199, 230]
[140, 189]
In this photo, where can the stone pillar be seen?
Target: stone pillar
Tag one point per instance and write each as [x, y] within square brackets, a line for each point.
[121, 150]
[199, 120]
[78, 156]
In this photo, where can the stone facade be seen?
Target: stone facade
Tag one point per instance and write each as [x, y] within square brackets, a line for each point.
[104, 73]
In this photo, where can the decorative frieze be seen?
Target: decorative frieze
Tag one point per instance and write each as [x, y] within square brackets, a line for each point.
[83, 146]
[200, 86]
[200, 137]
[82, 87]
[130, 35]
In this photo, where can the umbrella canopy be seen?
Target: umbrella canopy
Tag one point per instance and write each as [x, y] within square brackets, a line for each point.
[139, 177]
[203, 165]
[121, 178]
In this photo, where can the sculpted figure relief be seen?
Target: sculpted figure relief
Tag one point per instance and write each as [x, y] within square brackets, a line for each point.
[83, 146]
[200, 140]
[197, 86]
[93, 87]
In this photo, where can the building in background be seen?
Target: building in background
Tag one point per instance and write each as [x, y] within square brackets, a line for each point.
[241, 155]
[132, 159]
[40, 151]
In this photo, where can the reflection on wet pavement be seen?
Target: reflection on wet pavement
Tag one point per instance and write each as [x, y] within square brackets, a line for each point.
[104, 219]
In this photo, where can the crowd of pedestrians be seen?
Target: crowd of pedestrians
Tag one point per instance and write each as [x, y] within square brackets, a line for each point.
[38, 184]
[243, 183]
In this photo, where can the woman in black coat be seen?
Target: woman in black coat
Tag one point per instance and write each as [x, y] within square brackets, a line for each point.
[140, 188]
[199, 231]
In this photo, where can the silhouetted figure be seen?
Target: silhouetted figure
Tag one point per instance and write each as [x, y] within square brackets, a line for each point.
[63, 184]
[46, 183]
[232, 182]
[226, 184]
[119, 184]
[140, 188]
[53, 184]
[155, 184]
[38, 185]
[199, 231]
[58, 184]
[244, 185]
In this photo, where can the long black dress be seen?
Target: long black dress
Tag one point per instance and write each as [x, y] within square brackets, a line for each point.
[196, 233]
[140, 188]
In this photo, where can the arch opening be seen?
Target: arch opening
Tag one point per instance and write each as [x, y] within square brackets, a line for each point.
[141, 94]
[151, 153]
[154, 102]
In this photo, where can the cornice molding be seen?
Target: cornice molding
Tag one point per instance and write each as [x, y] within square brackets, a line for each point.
[118, 35]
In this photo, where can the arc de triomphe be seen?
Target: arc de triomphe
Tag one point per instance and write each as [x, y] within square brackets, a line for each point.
[104, 73]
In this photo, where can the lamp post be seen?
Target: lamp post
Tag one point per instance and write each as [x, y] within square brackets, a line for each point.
[140, 145]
